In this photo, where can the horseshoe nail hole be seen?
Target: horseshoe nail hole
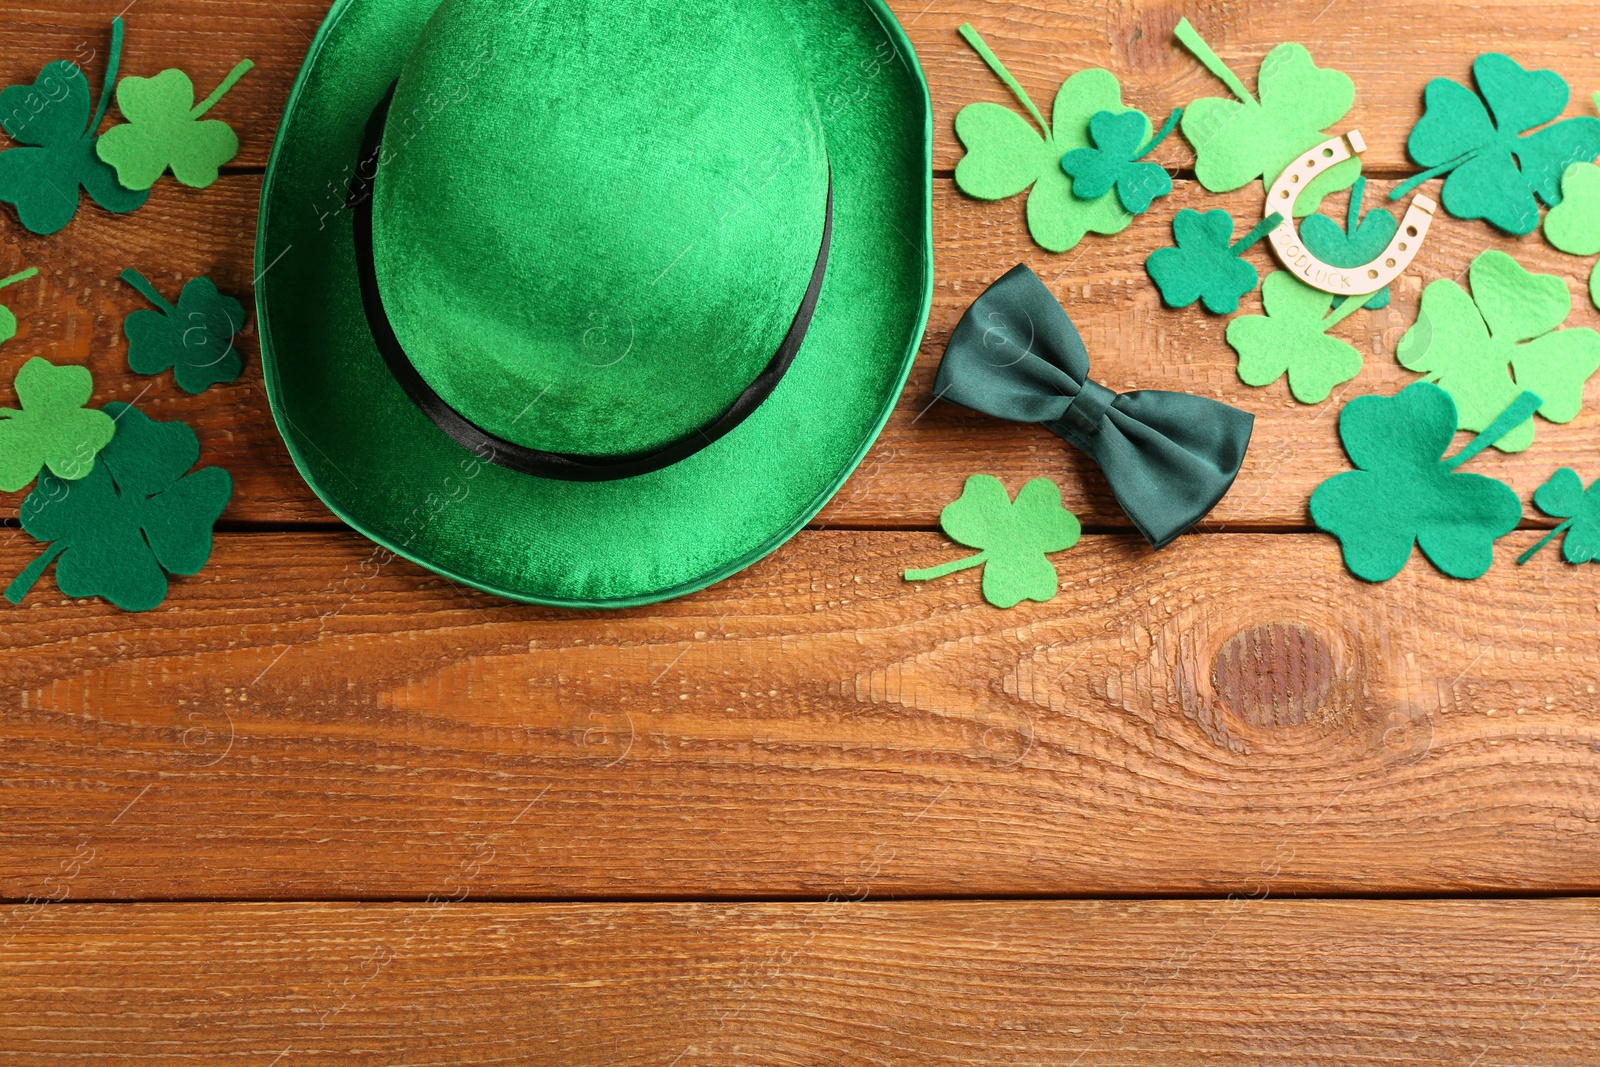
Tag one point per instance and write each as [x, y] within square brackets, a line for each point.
[1402, 246]
[1411, 231]
[1284, 194]
[1388, 263]
[1327, 153]
[1372, 274]
[1294, 178]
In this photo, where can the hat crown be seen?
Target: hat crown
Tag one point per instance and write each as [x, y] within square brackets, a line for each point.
[593, 223]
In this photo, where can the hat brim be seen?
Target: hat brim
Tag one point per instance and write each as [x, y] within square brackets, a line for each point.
[387, 470]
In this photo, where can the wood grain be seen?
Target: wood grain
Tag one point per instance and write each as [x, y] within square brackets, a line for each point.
[308, 719]
[846, 983]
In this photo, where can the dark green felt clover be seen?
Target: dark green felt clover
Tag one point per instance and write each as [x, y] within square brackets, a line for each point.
[1237, 141]
[53, 429]
[1114, 161]
[1014, 538]
[8, 321]
[1362, 240]
[193, 339]
[138, 516]
[52, 118]
[1006, 156]
[1563, 497]
[1405, 493]
[1205, 266]
[1497, 170]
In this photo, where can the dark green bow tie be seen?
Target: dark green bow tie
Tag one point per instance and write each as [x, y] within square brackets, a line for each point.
[1169, 457]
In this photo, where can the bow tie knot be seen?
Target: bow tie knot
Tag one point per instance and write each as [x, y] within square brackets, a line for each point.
[1169, 457]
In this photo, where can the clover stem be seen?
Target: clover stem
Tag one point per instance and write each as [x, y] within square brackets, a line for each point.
[112, 63]
[1191, 39]
[32, 572]
[20, 277]
[244, 67]
[148, 291]
[1000, 71]
[1551, 536]
[1520, 411]
[946, 568]
[1358, 193]
[1351, 305]
[1166, 131]
[1433, 172]
[1264, 227]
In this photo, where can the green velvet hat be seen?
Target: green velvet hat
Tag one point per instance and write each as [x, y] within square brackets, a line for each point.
[592, 304]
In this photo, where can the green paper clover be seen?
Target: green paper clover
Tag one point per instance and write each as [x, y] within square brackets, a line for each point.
[1015, 538]
[137, 516]
[52, 117]
[193, 339]
[1292, 337]
[1237, 141]
[1362, 240]
[1496, 173]
[1114, 161]
[1574, 224]
[1466, 345]
[53, 429]
[164, 131]
[1204, 266]
[8, 321]
[1005, 156]
[1563, 497]
[1405, 494]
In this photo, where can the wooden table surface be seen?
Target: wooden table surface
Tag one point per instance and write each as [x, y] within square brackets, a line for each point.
[1221, 804]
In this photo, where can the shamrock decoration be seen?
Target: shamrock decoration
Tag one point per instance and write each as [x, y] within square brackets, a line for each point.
[1114, 161]
[1404, 493]
[1564, 497]
[42, 180]
[8, 321]
[1497, 171]
[1006, 157]
[1363, 239]
[1237, 141]
[1465, 344]
[1014, 538]
[137, 514]
[1293, 337]
[1574, 224]
[1204, 266]
[194, 339]
[1594, 286]
[53, 429]
[164, 130]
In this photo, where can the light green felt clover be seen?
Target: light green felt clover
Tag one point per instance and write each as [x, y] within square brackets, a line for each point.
[1005, 156]
[1292, 337]
[1237, 141]
[1495, 172]
[1204, 266]
[1563, 497]
[1114, 162]
[138, 515]
[1502, 340]
[193, 339]
[164, 131]
[1015, 538]
[53, 429]
[1362, 240]
[8, 321]
[1404, 493]
[52, 119]
[1574, 224]
[1594, 286]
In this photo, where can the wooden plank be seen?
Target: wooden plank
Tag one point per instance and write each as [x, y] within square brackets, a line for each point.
[851, 984]
[307, 719]
[74, 313]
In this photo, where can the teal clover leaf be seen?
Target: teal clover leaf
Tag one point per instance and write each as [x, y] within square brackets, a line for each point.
[1498, 171]
[52, 118]
[1362, 240]
[194, 338]
[1205, 266]
[1015, 538]
[1114, 162]
[1564, 497]
[1405, 494]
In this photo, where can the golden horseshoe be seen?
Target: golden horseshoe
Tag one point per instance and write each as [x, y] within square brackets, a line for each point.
[1341, 281]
